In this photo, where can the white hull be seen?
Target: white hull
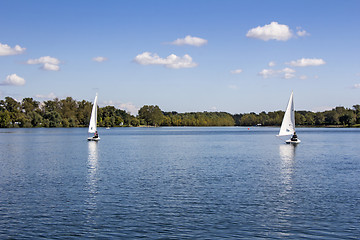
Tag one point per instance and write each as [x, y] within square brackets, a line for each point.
[293, 142]
[93, 139]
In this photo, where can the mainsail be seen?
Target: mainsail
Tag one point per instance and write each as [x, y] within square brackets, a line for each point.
[93, 118]
[288, 123]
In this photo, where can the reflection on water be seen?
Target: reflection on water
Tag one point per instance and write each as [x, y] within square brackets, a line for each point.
[287, 188]
[92, 157]
[92, 178]
[287, 152]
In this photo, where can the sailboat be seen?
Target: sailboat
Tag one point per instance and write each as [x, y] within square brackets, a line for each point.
[288, 124]
[93, 122]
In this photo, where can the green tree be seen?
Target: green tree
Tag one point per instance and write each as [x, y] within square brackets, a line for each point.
[348, 118]
[331, 117]
[319, 118]
[357, 112]
[29, 105]
[310, 118]
[134, 122]
[249, 120]
[152, 115]
[4, 119]
[54, 118]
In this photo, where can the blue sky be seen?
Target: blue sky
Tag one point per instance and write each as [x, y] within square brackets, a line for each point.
[233, 56]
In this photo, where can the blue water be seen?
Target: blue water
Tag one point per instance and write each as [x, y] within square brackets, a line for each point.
[179, 183]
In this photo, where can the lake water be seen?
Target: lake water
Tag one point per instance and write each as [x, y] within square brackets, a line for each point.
[179, 183]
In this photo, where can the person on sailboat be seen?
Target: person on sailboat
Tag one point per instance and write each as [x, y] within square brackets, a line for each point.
[294, 137]
[96, 135]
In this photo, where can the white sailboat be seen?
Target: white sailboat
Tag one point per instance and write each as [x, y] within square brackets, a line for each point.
[288, 124]
[93, 122]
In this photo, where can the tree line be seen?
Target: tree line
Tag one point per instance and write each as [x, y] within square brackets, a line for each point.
[71, 113]
[59, 113]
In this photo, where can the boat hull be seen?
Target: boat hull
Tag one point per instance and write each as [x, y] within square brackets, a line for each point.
[93, 139]
[293, 142]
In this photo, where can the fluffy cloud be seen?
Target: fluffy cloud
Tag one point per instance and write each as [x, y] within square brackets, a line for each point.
[189, 40]
[50, 67]
[303, 77]
[99, 59]
[171, 61]
[234, 87]
[47, 63]
[305, 62]
[13, 80]
[6, 50]
[286, 73]
[48, 96]
[236, 71]
[272, 31]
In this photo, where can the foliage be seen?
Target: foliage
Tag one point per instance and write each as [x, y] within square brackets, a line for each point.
[71, 113]
[58, 113]
[151, 115]
[198, 119]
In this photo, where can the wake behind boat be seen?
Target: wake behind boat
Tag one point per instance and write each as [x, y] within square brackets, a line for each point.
[288, 124]
[93, 122]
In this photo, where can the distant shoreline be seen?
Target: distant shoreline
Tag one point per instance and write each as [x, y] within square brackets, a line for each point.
[143, 126]
[71, 113]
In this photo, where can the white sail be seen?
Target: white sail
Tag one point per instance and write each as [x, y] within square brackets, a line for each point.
[93, 118]
[288, 123]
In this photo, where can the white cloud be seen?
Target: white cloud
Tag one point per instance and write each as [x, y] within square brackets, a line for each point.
[171, 61]
[289, 75]
[50, 67]
[286, 73]
[303, 77]
[272, 31]
[236, 71]
[288, 70]
[271, 64]
[42, 60]
[99, 59]
[305, 62]
[128, 107]
[48, 96]
[189, 40]
[234, 87]
[301, 33]
[13, 80]
[266, 73]
[6, 50]
[47, 63]
[357, 85]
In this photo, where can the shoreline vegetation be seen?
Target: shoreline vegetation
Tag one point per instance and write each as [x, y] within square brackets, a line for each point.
[71, 113]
